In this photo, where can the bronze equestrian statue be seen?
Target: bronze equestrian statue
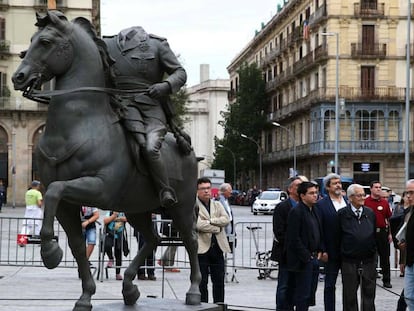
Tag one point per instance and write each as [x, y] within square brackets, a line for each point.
[141, 61]
[84, 157]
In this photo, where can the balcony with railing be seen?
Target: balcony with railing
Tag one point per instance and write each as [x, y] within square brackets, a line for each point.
[327, 94]
[303, 64]
[368, 50]
[328, 147]
[321, 53]
[369, 9]
[318, 16]
[271, 56]
[294, 36]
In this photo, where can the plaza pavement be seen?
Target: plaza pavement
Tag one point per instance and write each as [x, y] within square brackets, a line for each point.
[40, 289]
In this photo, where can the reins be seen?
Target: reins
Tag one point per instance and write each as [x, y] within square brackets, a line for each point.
[45, 96]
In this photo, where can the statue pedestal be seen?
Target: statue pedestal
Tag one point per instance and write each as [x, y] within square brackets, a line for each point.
[155, 304]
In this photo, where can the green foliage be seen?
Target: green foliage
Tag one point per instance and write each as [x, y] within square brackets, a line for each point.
[246, 116]
[179, 101]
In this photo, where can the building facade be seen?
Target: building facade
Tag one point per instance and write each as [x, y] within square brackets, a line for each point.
[303, 50]
[22, 121]
[206, 102]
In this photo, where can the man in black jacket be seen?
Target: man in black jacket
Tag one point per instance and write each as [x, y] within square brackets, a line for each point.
[280, 216]
[358, 251]
[304, 246]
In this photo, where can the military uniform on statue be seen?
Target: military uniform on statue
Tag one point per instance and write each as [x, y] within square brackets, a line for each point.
[141, 62]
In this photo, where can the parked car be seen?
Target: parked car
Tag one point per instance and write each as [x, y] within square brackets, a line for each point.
[267, 200]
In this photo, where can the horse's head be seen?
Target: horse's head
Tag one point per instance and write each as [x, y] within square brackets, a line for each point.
[50, 53]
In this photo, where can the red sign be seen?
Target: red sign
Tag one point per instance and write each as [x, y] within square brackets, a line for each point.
[22, 239]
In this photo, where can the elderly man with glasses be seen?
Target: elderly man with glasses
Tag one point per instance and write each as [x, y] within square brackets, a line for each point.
[358, 250]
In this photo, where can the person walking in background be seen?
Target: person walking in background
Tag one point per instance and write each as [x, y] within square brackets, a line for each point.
[280, 217]
[89, 216]
[34, 212]
[358, 251]
[225, 193]
[212, 241]
[304, 246]
[328, 208]
[115, 224]
[150, 260]
[168, 230]
[382, 211]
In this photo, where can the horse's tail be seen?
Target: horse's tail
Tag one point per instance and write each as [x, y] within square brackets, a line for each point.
[182, 138]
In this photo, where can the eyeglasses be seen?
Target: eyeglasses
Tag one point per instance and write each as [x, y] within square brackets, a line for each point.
[204, 188]
[410, 193]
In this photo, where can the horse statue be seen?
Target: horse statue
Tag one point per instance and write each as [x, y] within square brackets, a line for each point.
[84, 157]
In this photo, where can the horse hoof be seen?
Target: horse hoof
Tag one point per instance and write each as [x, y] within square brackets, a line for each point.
[192, 299]
[51, 254]
[82, 306]
[131, 295]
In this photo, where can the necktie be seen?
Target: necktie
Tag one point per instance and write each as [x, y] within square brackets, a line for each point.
[358, 213]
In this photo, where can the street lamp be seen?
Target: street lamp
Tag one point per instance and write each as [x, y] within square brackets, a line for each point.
[259, 150]
[292, 135]
[336, 34]
[234, 163]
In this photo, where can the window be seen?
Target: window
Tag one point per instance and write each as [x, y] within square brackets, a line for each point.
[367, 80]
[368, 39]
[2, 28]
[369, 4]
[365, 125]
[329, 125]
[4, 90]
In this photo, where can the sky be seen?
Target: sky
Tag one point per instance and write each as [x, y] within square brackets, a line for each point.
[199, 31]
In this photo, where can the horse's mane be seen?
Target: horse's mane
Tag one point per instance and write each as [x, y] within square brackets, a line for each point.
[86, 25]
[107, 60]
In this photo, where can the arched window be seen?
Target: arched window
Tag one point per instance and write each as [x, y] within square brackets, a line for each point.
[329, 125]
[393, 125]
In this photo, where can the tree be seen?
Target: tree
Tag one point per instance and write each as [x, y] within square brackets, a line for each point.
[246, 116]
[179, 101]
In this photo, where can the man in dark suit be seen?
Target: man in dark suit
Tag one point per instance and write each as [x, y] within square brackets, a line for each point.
[280, 216]
[304, 245]
[358, 251]
[328, 211]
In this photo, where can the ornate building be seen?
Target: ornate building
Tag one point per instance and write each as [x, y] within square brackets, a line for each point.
[206, 101]
[22, 121]
[297, 51]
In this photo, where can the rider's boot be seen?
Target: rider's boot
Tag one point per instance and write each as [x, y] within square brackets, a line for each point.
[160, 178]
[156, 169]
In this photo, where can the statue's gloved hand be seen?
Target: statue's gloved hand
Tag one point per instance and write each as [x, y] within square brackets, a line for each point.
[159, 90]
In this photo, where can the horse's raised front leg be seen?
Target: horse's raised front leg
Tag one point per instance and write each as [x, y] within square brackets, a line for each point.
[68, 217]
[185, 223]
[143, 224]
[80, 190]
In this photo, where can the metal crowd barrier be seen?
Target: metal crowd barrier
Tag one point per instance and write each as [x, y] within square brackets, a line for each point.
[243, 254]
[244, 248]
[16, 253]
